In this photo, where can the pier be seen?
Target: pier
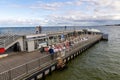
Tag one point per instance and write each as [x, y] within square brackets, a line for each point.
[34, 65]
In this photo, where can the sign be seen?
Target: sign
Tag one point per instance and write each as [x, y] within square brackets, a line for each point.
[44, 44]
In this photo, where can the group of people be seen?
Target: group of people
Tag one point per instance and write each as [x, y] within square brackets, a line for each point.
[60, 48]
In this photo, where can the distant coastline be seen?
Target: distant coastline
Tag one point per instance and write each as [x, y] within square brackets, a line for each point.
[113, 25]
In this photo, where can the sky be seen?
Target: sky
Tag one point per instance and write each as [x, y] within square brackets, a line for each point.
[16, 13]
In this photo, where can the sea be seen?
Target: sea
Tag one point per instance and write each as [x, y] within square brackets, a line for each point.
[100, 62]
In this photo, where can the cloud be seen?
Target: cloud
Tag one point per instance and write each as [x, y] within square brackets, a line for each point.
[80, 12]
[43, 5]
[108, 5]
[46, 6]
[75, 17]
[22, 22]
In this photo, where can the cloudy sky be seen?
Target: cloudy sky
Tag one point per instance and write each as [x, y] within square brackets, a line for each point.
[59, 12]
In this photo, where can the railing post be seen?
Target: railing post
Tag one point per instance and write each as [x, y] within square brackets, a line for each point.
[13, 38]
[4, 43]
[10, 75]
[26, 68]
[39, 62]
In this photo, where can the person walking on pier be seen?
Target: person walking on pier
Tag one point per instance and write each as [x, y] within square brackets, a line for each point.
[51, 51]
[42, 49]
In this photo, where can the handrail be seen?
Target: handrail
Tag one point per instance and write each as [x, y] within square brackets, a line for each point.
[8, 39]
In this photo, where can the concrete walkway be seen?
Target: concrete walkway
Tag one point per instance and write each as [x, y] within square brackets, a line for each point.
[18, 59]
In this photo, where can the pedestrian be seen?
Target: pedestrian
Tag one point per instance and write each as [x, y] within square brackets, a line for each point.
[51, 51]
[42, 49]
[63, 51]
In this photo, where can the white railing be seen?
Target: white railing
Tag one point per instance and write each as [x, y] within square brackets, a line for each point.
[26, 68]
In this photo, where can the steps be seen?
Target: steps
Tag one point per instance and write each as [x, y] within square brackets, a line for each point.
[7, 39]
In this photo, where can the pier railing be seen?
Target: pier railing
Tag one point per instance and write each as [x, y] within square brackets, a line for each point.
[37, 64]
[20, 71]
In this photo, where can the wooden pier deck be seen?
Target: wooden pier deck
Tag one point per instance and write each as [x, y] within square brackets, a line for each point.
[20, 65]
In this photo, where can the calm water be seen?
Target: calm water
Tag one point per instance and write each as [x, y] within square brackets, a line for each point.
[27, 30]
[101, 62]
